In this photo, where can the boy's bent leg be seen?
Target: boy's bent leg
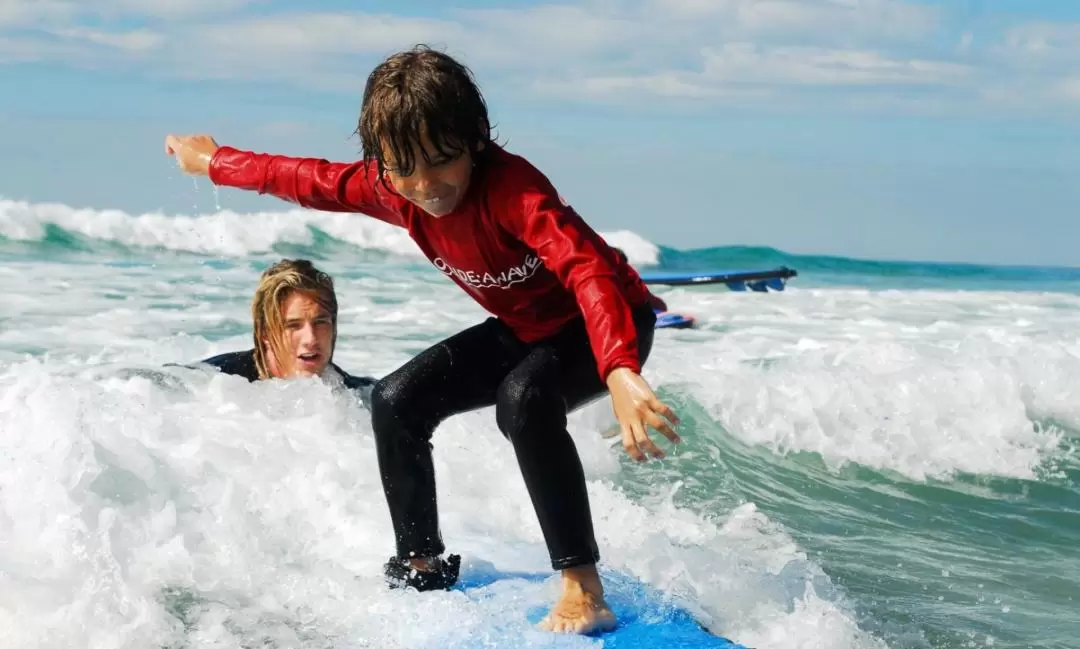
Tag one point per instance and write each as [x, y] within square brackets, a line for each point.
[531, 412]
[533, 403]
[531, 408]
[459, 374]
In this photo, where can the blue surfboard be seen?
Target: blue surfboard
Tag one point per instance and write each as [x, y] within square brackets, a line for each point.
[737, 280]
[672, 320]
[646, 617]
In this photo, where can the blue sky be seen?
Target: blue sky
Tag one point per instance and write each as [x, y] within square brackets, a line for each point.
[868, 128]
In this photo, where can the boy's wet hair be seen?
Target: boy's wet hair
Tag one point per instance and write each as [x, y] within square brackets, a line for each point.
[420, 90]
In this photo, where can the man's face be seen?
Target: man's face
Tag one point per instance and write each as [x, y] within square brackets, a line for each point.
[308, 338]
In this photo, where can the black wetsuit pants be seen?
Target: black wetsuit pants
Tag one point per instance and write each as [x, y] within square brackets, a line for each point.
[533, 387]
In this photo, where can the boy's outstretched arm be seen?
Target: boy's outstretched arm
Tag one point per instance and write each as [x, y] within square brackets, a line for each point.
[309, 182]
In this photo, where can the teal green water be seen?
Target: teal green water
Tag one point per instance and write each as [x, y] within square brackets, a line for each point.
[973, 561]
[828, 270]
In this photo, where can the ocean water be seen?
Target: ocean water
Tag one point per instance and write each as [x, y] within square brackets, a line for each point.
[882, 455]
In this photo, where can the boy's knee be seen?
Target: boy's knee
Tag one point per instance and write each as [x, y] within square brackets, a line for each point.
[387, 402]
[511, 404]
[524, 404]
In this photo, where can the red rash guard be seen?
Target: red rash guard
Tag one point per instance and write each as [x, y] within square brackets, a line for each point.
[512, 243]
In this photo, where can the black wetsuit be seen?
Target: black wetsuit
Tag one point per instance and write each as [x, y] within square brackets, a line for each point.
[533, 387]
[243, 364]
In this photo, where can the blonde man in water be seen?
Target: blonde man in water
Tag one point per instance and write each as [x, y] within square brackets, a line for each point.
[294, 314]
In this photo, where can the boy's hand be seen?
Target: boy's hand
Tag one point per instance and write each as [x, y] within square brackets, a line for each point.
[192, 152]
[636, 407]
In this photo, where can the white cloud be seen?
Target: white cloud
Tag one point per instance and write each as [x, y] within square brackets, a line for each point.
[18, 13]
[746, 63]
[966, 40]
[613, 46]
[136, 41]
[164, 8]
[666, 32]
[669, 84]
[1035, 67]
[1043, 42]
[312, 50]
[1070, 89]
[553, 29]
[745, 73]
[29, 50]
[53, 13]
[530, 38]
[830, 18]
[624, 50]
[285, 36]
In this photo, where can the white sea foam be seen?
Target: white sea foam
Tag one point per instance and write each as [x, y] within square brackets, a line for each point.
[923, 383]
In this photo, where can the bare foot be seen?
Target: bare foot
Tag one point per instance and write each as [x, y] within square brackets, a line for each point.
[582, 608]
